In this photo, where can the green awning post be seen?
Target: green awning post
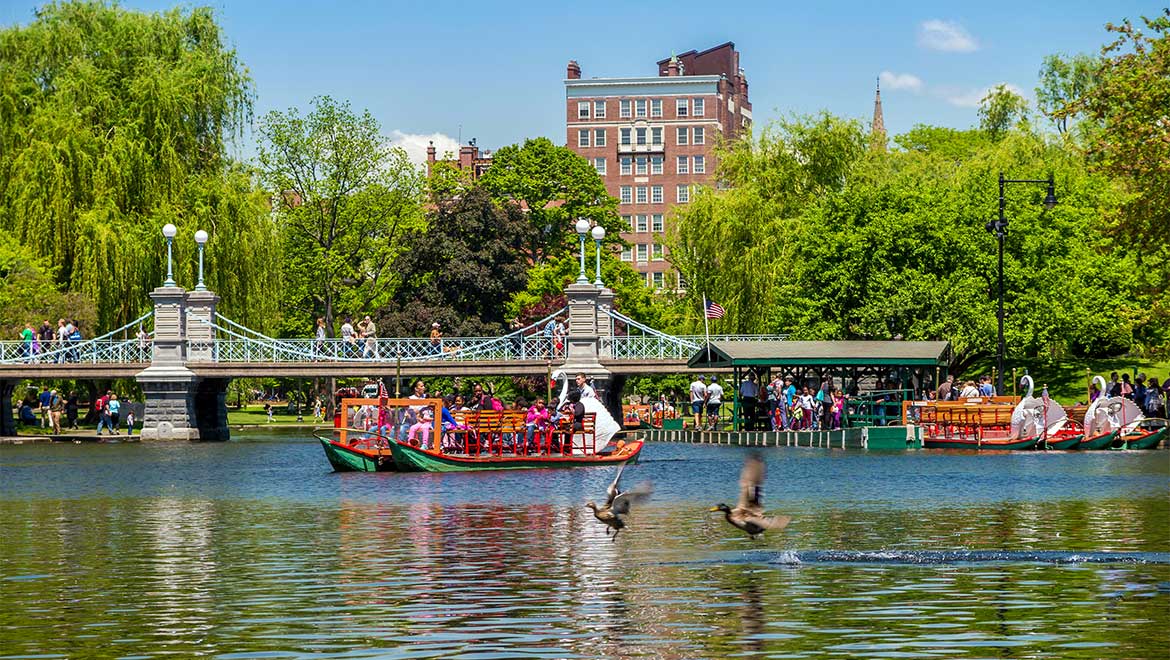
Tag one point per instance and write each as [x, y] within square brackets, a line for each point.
[735, 399]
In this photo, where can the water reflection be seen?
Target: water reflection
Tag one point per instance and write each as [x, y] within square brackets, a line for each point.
[514, 565]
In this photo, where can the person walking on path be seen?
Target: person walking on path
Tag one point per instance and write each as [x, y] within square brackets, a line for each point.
[99, 407]
[115, 408]
[56, 407]
[369, 333]
[129, 420]
[27, 335]
[71, 408]
[698, 400]
[348, 338]
[319, 339]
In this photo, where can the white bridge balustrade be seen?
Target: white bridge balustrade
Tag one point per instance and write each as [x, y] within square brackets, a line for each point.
[106, 349]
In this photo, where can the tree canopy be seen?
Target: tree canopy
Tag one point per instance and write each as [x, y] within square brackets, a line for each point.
[112, 124]
[344, 199]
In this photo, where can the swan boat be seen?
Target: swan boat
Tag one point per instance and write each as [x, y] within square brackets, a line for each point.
[386, 435]
[1117, 422]
[990, 426]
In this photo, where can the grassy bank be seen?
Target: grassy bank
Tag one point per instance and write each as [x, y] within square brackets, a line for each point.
[253, 415]
[1066, 379]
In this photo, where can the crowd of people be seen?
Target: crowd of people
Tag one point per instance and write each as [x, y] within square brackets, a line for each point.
[779, 406]
[414, 424]
[1149, 395]
[55, 410]
[48, 338]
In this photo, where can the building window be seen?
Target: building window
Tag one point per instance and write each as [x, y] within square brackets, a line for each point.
[640, 195]
[599, 165]
[642, 253]
[681, 138]
[599, 109]
[627, 254]
[656, 135]
[655, 107]
[680, 107]
[698, 135]
[640, 108]
[640, 166]
[700, 165]
[697, 107]
[641, 226]
[599, 137]
[583, 110]
[656, 164]
[626, 136]
[656, 223]
[657, 255]
[583, 138]
[640, 134]
[627, 194]
[657, 280]
[681, 166]
[683, 194]
[625, 168]
[629, 220]
[655, 194]
[624, 108]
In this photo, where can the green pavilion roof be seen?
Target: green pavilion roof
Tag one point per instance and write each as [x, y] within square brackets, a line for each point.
[821, 353]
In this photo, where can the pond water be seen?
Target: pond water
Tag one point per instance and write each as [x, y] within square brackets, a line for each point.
[255, 549]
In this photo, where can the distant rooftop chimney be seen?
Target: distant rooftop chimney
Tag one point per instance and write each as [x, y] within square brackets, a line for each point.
[573, 72]
[672, 67]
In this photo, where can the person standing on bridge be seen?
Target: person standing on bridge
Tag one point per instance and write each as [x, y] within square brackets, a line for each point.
[319, 338]
[369, 333]
[436, 339]
[348, 338]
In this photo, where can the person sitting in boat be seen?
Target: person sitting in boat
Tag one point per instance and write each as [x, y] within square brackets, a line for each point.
[535, 424]
[420, 431]
[970, 390]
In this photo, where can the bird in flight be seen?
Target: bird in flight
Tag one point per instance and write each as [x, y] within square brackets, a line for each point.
[748, 514]
[617, 502]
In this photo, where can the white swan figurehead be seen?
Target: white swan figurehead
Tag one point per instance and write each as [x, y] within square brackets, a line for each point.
[604, 425]
[1033, 417]
[1109, 413]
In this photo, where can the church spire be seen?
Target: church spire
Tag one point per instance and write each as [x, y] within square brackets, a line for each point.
[877, 131]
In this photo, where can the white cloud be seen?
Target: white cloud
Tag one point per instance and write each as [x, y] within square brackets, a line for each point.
[415, 145]
[947, 36]
[907, 81]
[970, 98]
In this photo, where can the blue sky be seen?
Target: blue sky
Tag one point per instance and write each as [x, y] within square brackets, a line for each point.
[493, 70]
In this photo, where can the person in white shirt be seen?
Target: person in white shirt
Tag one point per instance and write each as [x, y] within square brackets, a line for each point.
[587, 390]
[806, 409]
[714, 401]
[698, 399]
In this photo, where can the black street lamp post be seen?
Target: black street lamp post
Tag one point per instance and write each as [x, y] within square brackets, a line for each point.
[999, 228]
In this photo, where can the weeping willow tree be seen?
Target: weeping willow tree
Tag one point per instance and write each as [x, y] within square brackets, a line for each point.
[112, 124]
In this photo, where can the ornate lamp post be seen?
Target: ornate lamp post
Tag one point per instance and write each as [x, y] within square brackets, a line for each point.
[582, 231]
[999, 228]
[169, 232]
[598, 234]
[200, 238]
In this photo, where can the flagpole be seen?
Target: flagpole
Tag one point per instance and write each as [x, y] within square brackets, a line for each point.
[706, 329]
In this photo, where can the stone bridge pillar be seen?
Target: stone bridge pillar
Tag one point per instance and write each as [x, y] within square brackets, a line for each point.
[200, 335]
[604, 323]
[167, 384]
[7, 421]
[581, 349]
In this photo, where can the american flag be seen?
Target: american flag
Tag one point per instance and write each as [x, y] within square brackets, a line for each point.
[714, 310]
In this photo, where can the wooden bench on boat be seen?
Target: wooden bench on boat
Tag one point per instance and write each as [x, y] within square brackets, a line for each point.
[496, 432]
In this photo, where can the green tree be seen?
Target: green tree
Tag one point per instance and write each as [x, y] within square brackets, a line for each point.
[463, 269]
[1000, 110]
[29, 293]
[113, 123]
[1063, 80]
[554, 186]
[1132, 145]
[345, 200]
[735, 245]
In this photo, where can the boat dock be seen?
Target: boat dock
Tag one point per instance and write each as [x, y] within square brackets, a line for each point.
[867, 437]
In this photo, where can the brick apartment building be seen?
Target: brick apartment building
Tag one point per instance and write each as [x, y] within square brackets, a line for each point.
[651, 140]
[471, 159]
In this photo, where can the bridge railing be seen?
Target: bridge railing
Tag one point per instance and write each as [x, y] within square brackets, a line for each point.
[93, 351]
[385, 350]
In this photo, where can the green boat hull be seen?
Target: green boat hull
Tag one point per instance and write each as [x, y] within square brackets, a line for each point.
[411, 459]
[1103, 441]
[344, 459]
[1146, 442]
[950, 443]
[1070, 442]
